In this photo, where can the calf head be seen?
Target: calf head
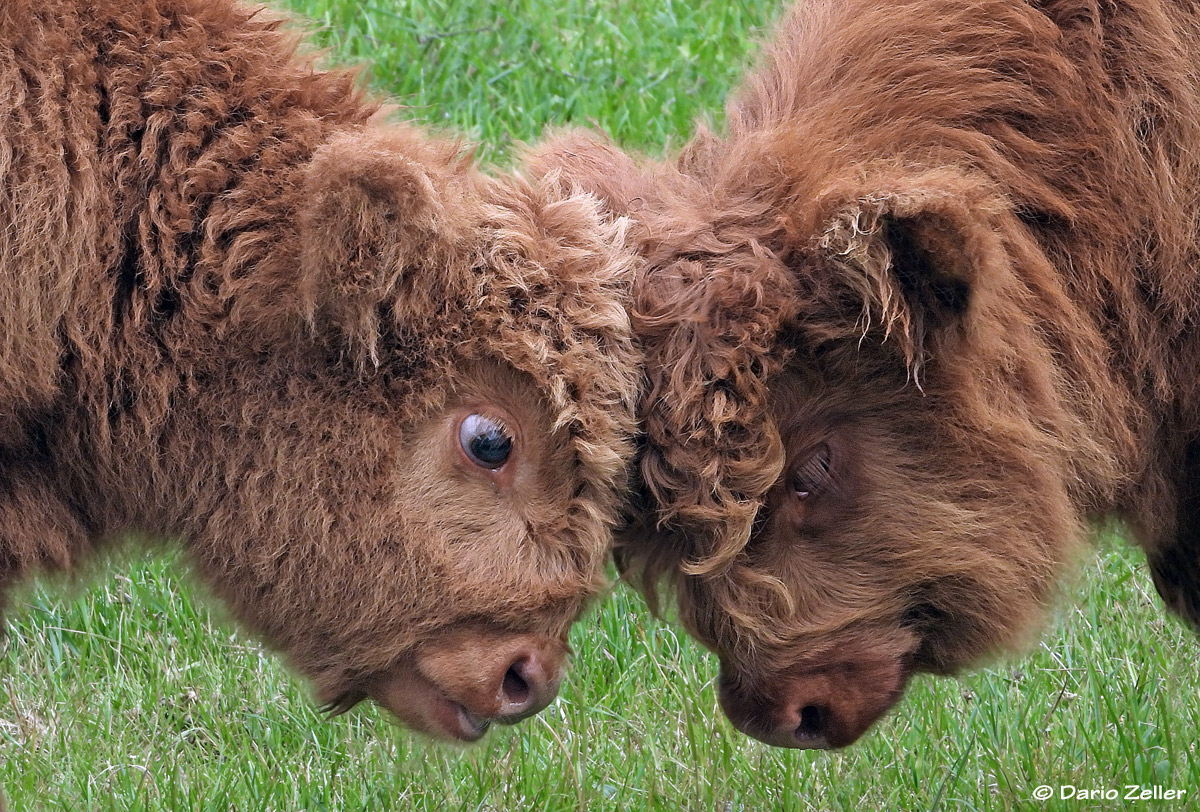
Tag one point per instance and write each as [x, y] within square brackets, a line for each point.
[859, 454]
[413, 497]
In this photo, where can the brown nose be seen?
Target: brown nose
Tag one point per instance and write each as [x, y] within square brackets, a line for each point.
[468, 678]
[531, 682]
[817, 708]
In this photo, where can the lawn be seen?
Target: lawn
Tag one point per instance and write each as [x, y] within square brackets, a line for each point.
[131, 691]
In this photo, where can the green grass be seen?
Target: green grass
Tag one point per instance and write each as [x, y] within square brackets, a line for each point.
[501, 72]
[132, 694]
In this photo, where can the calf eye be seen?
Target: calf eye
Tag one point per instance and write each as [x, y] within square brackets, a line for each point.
[485, 441]
[813, 474]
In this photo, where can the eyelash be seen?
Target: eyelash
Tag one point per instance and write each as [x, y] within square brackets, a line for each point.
[815, 475]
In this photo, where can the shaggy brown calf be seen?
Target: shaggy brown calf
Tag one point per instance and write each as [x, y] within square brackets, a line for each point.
[926, 308]
[385, 401]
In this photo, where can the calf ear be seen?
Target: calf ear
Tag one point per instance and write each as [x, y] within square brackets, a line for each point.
[579, 160]
[385, 219]
[917, 253]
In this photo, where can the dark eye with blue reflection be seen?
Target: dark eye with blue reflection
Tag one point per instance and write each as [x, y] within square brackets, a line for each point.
[485, 441]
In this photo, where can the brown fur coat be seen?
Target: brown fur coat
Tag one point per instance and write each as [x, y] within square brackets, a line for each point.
[925, 308]
[240, 309]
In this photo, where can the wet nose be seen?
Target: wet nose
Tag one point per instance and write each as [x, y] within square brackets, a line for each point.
[816, 709]
[813, 725]
[531, 681]
[814, 722]
[468, 678]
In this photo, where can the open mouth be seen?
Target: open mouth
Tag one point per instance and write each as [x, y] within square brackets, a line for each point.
[470, 726]
[418, 703]
[458, 689]
[448, 720]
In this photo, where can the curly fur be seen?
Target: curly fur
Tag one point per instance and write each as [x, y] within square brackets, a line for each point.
[239, 309]
[958, 243]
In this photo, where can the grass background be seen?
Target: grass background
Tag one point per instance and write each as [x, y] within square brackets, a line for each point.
[131, 692]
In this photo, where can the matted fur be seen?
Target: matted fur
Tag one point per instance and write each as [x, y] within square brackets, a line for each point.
[239, 309]
[953, 247]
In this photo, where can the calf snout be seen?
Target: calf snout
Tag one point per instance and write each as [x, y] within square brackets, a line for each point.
[463, 680]
[818, 708]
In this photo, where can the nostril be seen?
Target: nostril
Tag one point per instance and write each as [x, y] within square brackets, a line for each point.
[812, 723]
[515, 688]
[529, 684]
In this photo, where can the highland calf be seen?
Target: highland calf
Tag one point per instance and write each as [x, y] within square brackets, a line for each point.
[385, 401]
[925, 309]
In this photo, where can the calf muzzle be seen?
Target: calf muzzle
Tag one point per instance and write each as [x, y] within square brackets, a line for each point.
[818, 708]
[456, 687]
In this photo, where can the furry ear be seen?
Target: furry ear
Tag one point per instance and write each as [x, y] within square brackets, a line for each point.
[579, 160]
[916, 253]
[385, 218]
